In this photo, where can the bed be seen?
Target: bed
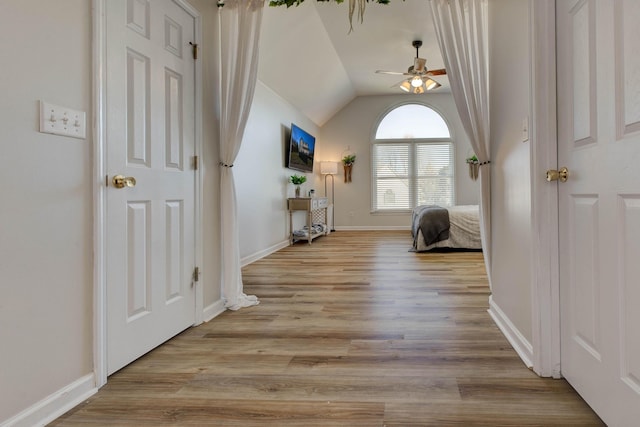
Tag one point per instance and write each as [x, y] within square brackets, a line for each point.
[453, 227]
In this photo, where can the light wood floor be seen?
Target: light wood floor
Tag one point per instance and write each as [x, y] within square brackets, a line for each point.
[351, 331]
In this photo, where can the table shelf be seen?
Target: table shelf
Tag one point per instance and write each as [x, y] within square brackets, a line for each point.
[312, 206]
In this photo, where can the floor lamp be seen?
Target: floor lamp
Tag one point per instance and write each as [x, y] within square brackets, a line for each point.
[329, 169]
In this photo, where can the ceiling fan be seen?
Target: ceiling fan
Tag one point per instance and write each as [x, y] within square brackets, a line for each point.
[420, 78]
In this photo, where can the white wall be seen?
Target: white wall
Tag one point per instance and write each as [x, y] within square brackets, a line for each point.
[354, 126]
[510, 161]
[261, 176]
[46, 237]
[46, 208]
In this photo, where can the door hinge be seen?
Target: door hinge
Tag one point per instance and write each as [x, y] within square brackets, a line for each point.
[196, 162]
[194, 50]
[196, 274]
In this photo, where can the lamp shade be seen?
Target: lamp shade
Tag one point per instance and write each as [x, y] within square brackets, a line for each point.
[419, 84]
[432, 84]
[328, 168]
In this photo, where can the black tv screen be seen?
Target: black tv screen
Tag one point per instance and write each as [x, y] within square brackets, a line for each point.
[302, 147]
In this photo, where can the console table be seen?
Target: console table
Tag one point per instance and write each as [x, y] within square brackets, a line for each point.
[313, 206]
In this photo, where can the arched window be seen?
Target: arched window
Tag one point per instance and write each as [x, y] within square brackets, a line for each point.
[412, 160]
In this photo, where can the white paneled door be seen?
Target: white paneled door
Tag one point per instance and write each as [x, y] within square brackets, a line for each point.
[599, 142]
[149, 137]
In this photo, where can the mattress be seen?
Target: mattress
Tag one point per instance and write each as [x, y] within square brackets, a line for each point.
[464, 231]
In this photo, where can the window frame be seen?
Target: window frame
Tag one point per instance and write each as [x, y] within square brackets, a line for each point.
[413, 176]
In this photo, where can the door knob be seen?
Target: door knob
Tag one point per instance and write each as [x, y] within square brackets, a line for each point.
[121, 181]
[554, 175]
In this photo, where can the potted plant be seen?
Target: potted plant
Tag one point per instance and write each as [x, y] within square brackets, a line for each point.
[298, 180]
[347, 162]
[474, 167]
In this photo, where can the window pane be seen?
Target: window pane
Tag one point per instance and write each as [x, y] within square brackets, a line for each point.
[392, 194]
[391, 176]
[391, 160]
[434, 159]
[434, 174]
[435, 191]
[412, 121]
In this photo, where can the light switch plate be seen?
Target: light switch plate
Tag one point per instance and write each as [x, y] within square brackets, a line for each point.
[62, 121]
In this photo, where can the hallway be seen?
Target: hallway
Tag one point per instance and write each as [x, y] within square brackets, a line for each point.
[353, 330]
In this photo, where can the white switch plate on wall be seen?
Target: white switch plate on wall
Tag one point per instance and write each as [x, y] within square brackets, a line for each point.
[62, 121]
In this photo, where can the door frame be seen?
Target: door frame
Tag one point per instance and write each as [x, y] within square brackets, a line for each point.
[99, 189]
[545, 272]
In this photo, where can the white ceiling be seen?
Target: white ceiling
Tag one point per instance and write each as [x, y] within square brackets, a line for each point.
[308, 57]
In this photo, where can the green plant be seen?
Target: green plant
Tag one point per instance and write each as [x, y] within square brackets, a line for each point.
[349, 159]
[298, 179]
[472, 159]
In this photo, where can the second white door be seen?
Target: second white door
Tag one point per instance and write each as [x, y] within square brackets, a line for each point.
[599, 142]
[150, 137]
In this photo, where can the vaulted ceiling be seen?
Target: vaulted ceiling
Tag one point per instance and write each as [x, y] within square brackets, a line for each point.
[309, 58]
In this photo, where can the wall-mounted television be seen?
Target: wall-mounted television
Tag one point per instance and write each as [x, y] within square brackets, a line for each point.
[302, 146]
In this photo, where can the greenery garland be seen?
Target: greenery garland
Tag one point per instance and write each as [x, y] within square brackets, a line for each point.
[352, 6]
[289, 3]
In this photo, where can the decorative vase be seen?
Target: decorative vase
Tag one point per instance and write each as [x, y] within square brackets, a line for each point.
[474, 169]
[347, 172]
[297, 191]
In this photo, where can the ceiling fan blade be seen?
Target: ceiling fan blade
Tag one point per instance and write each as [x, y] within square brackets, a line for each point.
[395, 73]
[438, 72]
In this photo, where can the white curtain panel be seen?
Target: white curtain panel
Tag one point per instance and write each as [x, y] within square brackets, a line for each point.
[239, 33]
[462, 33]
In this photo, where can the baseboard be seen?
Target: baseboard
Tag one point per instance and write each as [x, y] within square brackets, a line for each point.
[213, 310]
[373, 228]
[263, 253]
[54, 405]
[513, 335]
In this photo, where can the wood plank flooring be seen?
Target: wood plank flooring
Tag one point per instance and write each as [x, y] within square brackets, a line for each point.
[353, 330]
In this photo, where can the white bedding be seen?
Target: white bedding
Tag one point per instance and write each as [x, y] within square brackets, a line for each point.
[464, 231]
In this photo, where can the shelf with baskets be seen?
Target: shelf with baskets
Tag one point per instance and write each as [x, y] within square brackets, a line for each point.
[317, 218]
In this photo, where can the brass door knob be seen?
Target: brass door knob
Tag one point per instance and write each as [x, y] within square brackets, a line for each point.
[555, 175]
[121, 181]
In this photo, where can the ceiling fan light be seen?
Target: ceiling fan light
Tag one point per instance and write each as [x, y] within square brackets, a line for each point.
[405, 86]
[432, 84]
[418, 90]
[416, 81]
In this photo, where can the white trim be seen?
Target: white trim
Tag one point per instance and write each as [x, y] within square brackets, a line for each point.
[213, 310]
[545, 290]
[199, 151]
[54, 405]
[263, 253]
[99, 196]
[99, 191]
[513, 335]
